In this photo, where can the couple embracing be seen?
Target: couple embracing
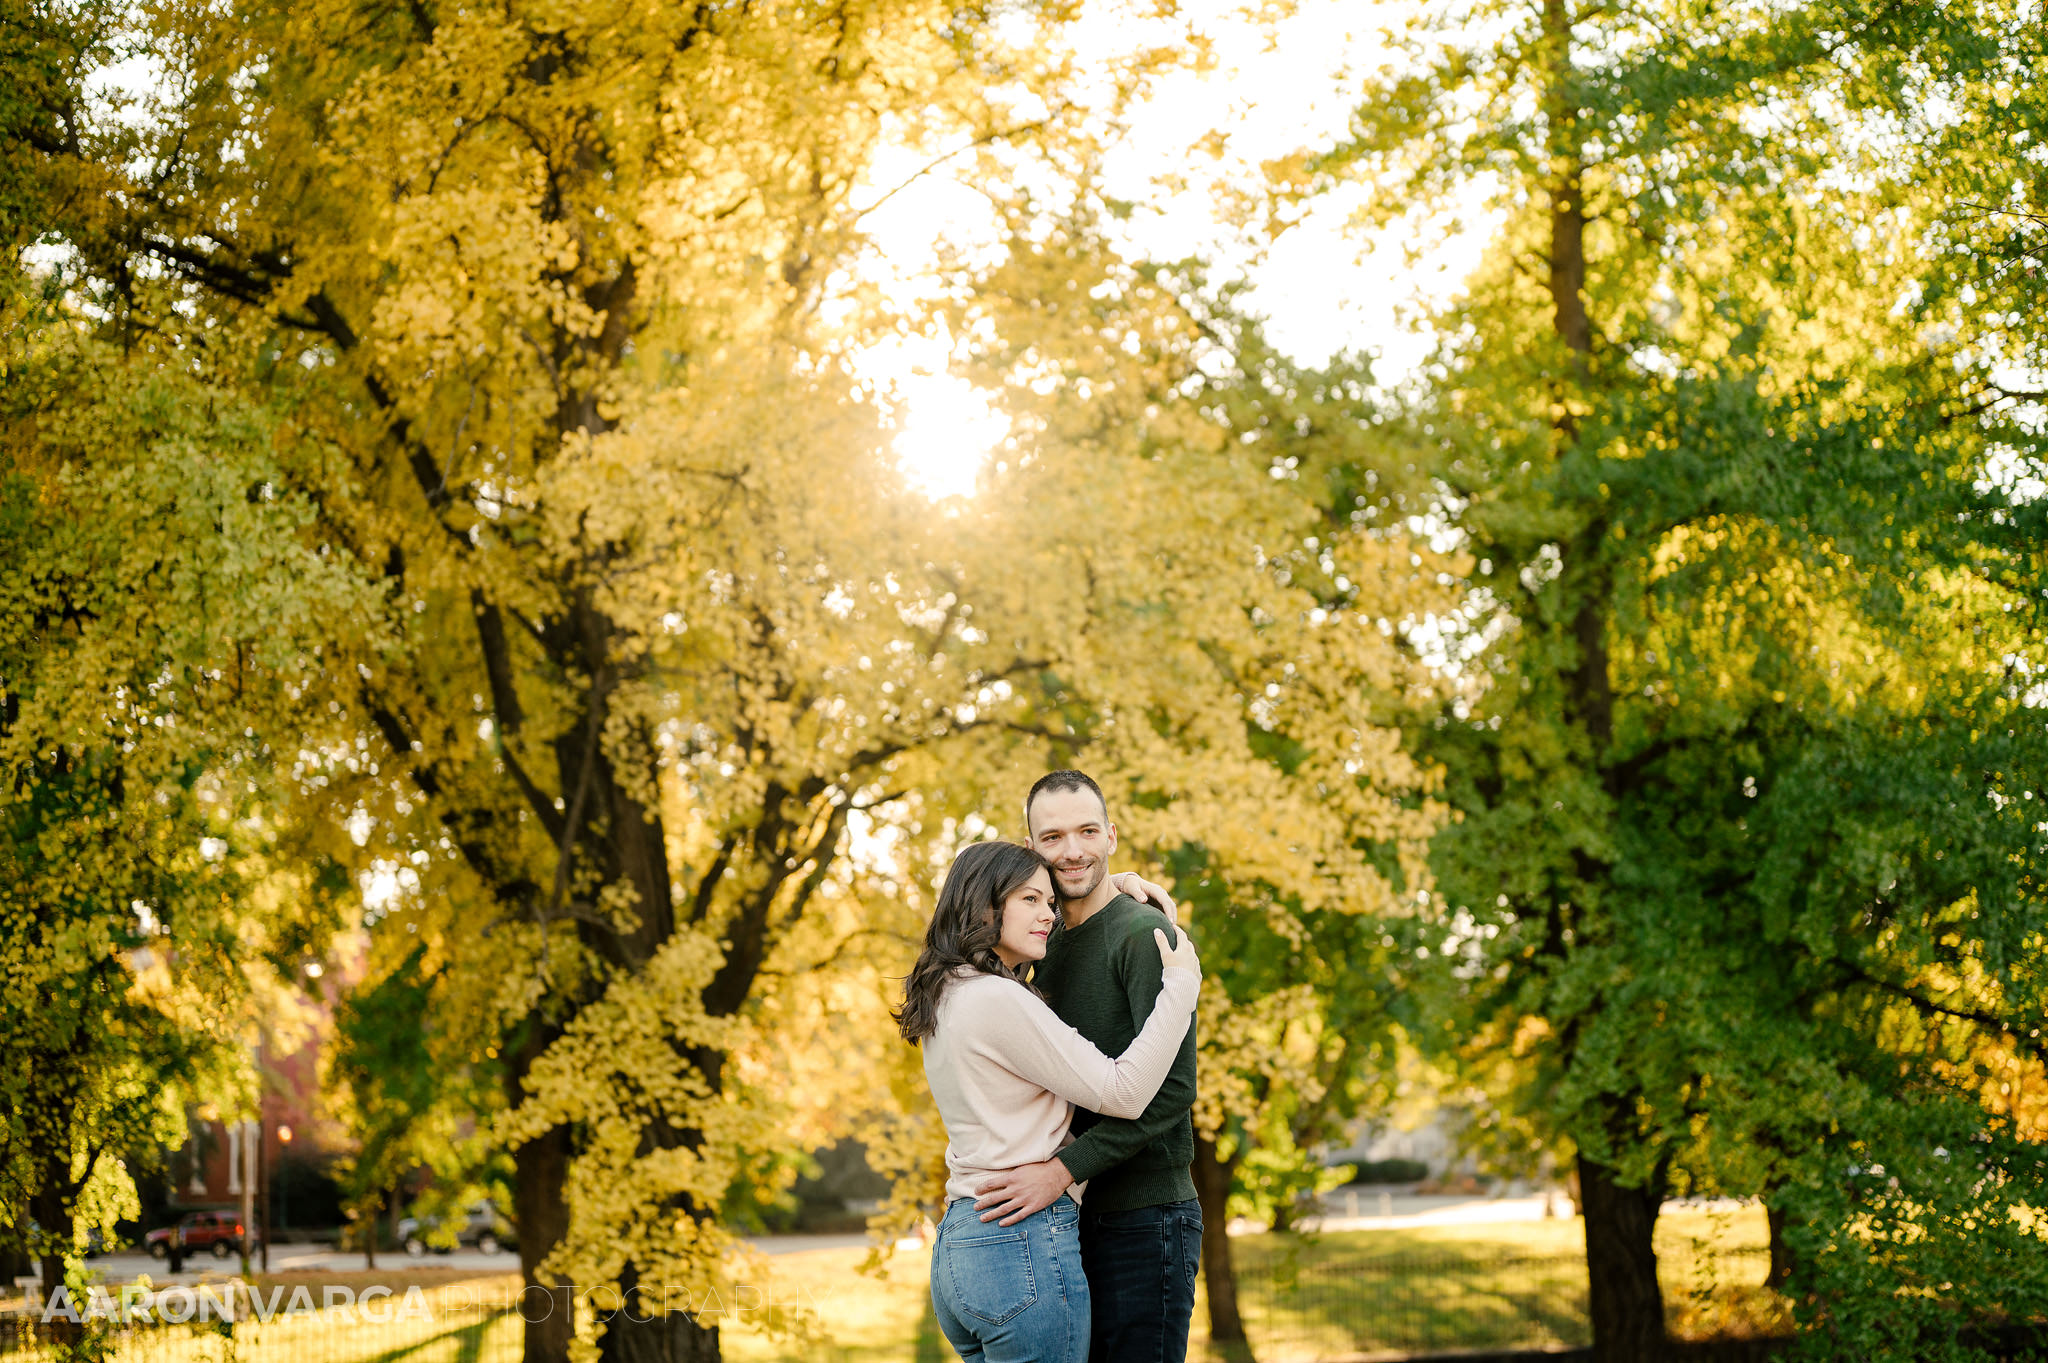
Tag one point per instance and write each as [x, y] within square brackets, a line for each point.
[1056, 1012]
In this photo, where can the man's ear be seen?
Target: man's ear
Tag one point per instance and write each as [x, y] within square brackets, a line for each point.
[1112, 839]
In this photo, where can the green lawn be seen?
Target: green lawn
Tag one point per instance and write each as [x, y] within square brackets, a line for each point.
[855, 1318]
[1435, 1287]
[1505, 1286]
[1508, 1285]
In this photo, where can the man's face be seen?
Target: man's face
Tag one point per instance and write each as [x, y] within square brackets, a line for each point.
[1071, 830]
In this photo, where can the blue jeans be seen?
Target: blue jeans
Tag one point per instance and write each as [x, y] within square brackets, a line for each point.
[1141, 1273]
[1012, 1294]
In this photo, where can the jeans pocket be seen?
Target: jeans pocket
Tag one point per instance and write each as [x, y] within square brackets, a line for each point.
[991, 1275]
[1190, 1251]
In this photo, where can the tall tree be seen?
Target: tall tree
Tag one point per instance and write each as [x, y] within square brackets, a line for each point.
[539, 287]
[1732, 490]
[157, 585]
[409, 1101]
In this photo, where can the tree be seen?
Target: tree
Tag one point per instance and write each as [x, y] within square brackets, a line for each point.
[409, 1103]
[154, 579]
[1227, 615]
[1730, 498]
[538, 289]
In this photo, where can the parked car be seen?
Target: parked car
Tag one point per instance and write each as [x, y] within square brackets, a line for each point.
[482, 1227]
[220, 1232]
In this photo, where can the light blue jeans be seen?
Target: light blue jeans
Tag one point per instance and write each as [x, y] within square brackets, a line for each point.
[1012, 1294]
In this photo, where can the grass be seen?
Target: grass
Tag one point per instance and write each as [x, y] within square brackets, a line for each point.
[855, 1318]
[1505, 1285]
[1345, 1299]
[1304, 1296]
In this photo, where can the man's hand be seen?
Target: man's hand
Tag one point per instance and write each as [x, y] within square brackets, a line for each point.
[1022, 1191]
[1139, 888]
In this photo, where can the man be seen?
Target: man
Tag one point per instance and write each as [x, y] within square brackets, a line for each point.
[1141, 1225]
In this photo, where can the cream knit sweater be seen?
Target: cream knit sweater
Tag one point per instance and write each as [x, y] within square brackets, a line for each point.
[1007, 1074]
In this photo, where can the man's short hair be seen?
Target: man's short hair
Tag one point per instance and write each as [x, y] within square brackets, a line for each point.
[1054, 781]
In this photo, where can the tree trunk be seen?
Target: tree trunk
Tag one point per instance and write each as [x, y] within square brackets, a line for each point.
[15, 1259]
[14, 1263]
[266, 1166]
[1569, 318]
[652, 1328]
[54, 1224]
[1625, 1302]
[540, 1174]
[369, 1224]
[646, 1331]
[1219, 1275]
[1781, 1253]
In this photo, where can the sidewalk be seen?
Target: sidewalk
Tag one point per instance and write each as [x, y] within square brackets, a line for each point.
[116, 1269]
[1367, 1207]
[1363, 1207]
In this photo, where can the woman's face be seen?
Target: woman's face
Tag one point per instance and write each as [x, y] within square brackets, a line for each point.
[1027, 921]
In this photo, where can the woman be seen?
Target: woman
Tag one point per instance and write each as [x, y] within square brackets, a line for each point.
[1007, 1074]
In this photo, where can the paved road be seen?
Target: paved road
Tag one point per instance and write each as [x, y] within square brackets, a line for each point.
[1381, 1208]
[1385, 1209]
[293, 1259]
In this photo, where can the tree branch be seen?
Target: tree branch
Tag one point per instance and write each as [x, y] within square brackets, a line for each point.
[707, 884]
[1857, 971]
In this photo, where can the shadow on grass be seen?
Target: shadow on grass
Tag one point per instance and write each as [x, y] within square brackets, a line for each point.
[469, 1346]
[307, 1343]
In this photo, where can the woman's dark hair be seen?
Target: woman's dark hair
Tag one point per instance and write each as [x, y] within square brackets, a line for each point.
[965, 928]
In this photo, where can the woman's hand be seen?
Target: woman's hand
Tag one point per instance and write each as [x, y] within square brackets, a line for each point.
[1180, 957]
[1141, 889]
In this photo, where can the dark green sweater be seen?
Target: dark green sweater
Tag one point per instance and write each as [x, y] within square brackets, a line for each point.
[1102, 978]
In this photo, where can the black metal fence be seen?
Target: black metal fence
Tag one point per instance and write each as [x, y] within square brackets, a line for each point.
[477, 1335]
[1412, 1304]
[1300, 1300]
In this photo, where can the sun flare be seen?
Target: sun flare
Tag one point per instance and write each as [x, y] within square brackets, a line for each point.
[1321, 284]
[945, 427]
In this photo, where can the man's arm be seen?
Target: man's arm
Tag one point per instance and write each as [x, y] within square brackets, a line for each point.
[1112, 1140]
[1017, 1193]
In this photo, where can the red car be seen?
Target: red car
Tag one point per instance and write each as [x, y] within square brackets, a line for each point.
[219, 1231]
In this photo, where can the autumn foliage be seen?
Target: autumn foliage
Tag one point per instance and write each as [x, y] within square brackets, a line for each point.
[444, 526]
